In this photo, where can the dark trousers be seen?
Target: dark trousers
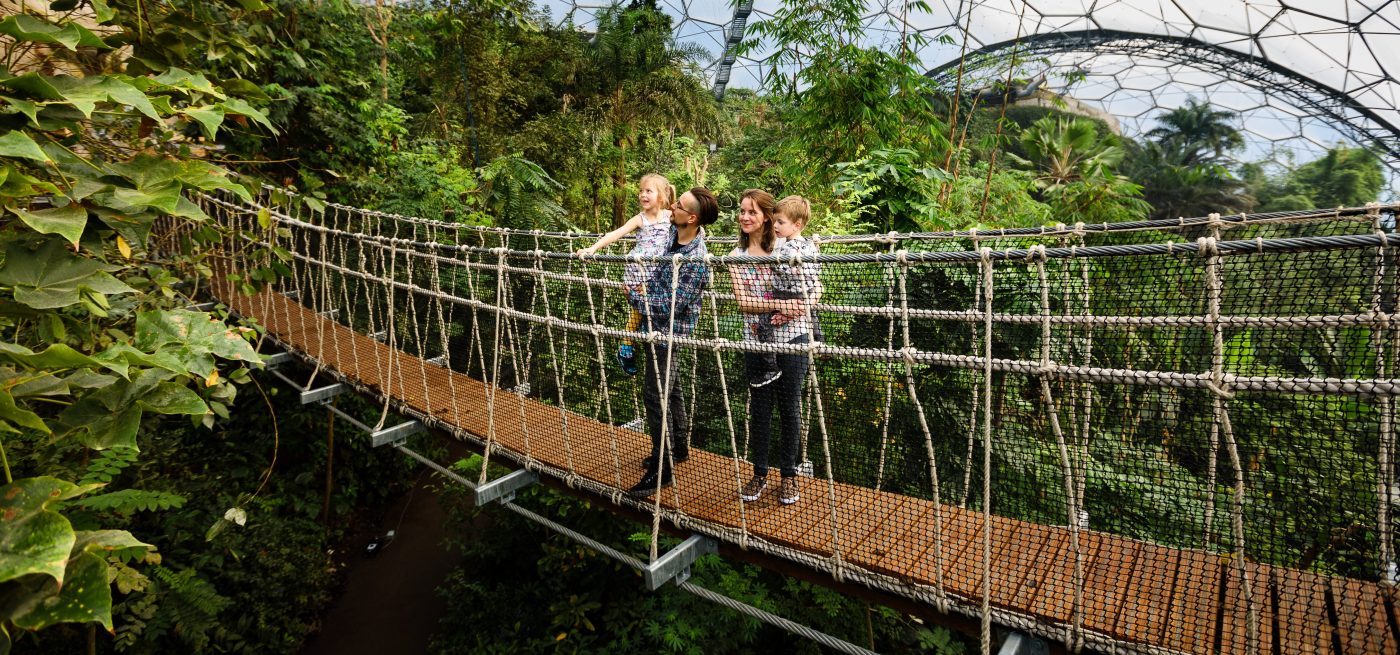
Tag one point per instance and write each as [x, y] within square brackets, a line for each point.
[661, 362]
[784, 394]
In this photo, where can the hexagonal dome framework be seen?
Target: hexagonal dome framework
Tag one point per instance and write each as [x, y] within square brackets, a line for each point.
[1303, 75]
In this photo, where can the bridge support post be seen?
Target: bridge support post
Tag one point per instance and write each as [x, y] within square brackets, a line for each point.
[503, 488]
[1018, 643]
[675, 564]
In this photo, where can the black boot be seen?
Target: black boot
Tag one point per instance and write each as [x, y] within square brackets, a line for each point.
[649, 484]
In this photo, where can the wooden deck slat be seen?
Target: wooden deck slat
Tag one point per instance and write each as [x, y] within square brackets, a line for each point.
[1056, 598]
[1362, 624]
[1190, 624]
[1148, 597]
[1302, 612]
[1106, 583]
[1235, 637]
[1134, 591]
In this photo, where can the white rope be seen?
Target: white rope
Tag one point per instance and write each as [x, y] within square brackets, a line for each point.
[908, 351]
[987, 283]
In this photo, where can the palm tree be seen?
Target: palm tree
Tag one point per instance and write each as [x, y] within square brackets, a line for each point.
[1076, 171]
[1198, 132]
[647, 85]
[1176, 188]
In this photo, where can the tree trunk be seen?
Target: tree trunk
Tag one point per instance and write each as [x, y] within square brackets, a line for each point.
[620, 185]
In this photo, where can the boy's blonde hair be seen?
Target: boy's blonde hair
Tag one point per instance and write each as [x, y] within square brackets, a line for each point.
[663, 187]
[796, 209]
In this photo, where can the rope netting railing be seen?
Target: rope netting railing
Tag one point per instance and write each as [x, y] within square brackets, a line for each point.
[1171, 436]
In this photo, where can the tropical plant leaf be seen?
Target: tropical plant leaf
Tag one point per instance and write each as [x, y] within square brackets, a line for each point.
[23, 27]
[172, 398]
[84, 596]
[13, 413]
[67, 222]
[36, 539]
[18, 144]
[56, 357]
[53, 277]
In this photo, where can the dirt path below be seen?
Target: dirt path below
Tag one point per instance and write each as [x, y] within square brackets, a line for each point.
[389, 604]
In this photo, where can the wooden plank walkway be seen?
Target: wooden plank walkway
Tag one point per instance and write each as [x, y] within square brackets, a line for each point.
[1135, 593]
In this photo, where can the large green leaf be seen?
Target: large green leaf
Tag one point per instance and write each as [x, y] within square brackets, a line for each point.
[147, 170]
[13, 413]
[53, 276]
[172, 398]
[84, 93]
[56, 356]
[17, 106]
[84, 596]
[23, 27]
[24, 384]
[36, 85]
[67, 222]
[209, 118]
[242, 108]
[197, 331]
[165, 197]
[34, 539]
[178, 78]
[100, 428]
[18, 144]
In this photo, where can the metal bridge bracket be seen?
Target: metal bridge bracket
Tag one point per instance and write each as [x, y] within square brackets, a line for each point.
[292, 294]
[675, 564]
[201, 307]
[394, 434]
[378, 336]
[321, 394]
[277, 359]
[636, 424]
[440, 360]
[1017, 643]
[503, 488]
[332, 313]
[522, 389]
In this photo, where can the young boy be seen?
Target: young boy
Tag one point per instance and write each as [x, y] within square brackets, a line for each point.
[791, 281]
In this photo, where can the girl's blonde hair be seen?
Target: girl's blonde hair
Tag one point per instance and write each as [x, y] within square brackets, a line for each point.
[797, 209]
[664, 189]
[765, 204]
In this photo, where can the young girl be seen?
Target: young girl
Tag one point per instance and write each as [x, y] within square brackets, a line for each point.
[654, 222]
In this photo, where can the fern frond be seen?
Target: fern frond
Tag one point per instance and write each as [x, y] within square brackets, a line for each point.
[127, 501]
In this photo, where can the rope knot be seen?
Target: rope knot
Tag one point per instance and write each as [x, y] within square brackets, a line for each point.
[907, 353]
[1047, 367]
[986, 254]
[1078, 229]
[1036, 253]
[1206, 246]
[1220, 389]
[1259, 245]
[902, 256]
[1385, 240]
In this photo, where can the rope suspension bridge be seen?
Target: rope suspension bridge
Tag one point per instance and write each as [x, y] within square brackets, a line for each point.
[1157, 437]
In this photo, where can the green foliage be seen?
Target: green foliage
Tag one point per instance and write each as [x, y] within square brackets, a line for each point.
[90, 162]
[851, 99]
[1344, 177]
[1076, 171]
